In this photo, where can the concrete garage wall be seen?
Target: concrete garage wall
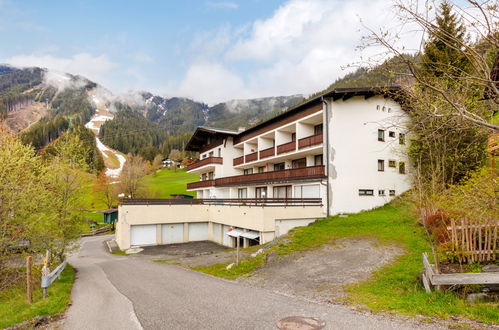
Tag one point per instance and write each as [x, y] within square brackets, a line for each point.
[282, 227]
[260, 219]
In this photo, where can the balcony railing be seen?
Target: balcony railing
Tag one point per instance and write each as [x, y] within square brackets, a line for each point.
[251, 157]
[238, 161]
[267, 153]
[286, 147]
[206, 161]
[201, 184]
[310, 141]
[226, 201]
[311, 172]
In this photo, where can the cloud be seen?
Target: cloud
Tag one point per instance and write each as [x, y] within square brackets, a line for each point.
[211, 83]
[223, 4]
[96, 68]
[302, 48]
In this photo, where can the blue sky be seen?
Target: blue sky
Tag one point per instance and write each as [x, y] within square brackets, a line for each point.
[208, 50]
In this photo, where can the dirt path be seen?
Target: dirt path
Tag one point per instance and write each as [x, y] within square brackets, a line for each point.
[320, 274]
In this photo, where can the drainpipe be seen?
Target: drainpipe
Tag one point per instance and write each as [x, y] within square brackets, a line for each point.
[326, 126]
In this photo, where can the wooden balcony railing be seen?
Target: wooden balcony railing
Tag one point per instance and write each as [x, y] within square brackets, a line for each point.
[310, 141]
[238, 161]
[286, 147]
[206, 161]
[201, 184]
[311, 172]
[251, 157]
[267, 153]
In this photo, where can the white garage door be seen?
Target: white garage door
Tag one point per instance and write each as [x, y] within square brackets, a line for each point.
[198, 231]
[172, 233]
[226, 240]
[217, 233]
[143, 235]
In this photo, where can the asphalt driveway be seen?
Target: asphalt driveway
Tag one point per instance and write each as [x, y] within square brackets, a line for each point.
[119, 292]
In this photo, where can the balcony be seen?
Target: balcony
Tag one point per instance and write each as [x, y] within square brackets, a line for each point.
[251, 157]
[238, 161]
[267, 153]
[206, 161]
[201, 184]
[312, 172]
[286, 147]
[310, 141]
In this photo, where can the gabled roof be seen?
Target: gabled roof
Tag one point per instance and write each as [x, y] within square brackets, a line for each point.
[198, 139]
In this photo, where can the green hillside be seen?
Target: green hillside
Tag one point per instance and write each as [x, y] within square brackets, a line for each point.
[163, 183]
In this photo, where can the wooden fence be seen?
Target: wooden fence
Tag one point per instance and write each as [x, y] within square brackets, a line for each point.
[473, 241]
[96, 231]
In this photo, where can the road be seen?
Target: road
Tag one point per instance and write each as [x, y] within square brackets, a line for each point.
[120, 292]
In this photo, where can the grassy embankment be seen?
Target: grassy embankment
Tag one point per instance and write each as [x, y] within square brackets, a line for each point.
[14, 307]
[395, 287]
[163, 183]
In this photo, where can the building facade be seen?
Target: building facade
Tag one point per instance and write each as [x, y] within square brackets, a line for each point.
[341, 152]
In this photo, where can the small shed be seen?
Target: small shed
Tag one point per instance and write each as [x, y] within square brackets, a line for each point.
[181, 196]
[110, 215]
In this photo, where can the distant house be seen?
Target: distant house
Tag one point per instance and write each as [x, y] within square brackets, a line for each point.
[168, 162]
[110, 215]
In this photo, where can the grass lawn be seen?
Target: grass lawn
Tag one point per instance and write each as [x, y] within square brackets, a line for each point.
[163, 183]
[392, 288]
[14, 308]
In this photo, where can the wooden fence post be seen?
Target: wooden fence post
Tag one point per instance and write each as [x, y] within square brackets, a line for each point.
[29, 279]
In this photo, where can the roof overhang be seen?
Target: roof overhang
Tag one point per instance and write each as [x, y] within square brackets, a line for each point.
[201, 135]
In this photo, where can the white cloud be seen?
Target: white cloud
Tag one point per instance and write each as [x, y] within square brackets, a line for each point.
[211, 83]
[223, 4]
[96, 68]
[301, 48]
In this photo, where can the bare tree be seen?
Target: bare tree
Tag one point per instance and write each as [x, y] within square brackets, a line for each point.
[473, 94]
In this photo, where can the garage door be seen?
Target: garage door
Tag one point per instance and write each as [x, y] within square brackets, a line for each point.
[172, 233]
[217, 233]
[226, 240]
[198, 231]
[143, 235]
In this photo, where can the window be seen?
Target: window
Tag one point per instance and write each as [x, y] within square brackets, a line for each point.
[318, 160]
[389, 109]
[261, 192]
[381, 165]
[318, 129]
[308, 191]
[392, 163]
[293, 136]
[381, 135]
[391, 134]
[282, 192]
[299, 163]
[203, 177]
[261, 169]
[211, 154]
[279, 167]
[242, 193]
[401, 167]
[401, 138]
[377, 107]
[384, 108]
[392, 192]
[219, 152]
[248, 171]
[211, 175]
[366, 192]
[381, 192]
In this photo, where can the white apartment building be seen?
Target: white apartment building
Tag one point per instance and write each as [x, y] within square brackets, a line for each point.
[341, 152]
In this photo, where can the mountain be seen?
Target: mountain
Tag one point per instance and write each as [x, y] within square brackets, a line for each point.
[178, 115]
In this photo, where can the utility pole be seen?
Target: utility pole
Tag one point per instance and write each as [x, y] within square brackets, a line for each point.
[29, 279]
